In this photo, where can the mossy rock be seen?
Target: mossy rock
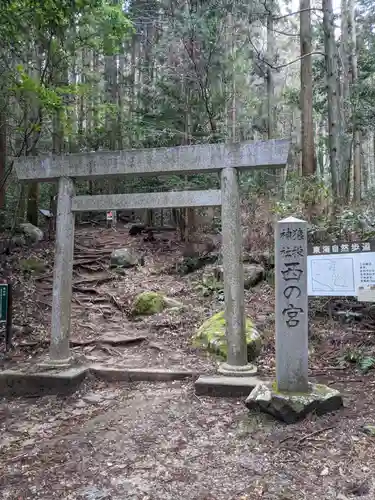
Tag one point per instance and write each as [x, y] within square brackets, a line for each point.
[191, 264]
[32, 266]
[211, 336]
[147, 303]
[124, 257]
[32, 233]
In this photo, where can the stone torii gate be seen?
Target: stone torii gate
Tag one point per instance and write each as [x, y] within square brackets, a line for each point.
[225, 159]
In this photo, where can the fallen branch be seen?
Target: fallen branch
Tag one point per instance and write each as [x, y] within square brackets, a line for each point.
[115, 302]
[48, 304]
[157, 347]
[44, 276]
[90, 250]
[121, 341]
[74, 299]
[93, 268]
[286, 439]
[86, 261]
[85, 290]
[308, 436]
[109, 350]
[101, 278]
[95, 300]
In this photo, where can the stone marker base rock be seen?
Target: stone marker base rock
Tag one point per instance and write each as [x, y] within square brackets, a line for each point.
[292, 407]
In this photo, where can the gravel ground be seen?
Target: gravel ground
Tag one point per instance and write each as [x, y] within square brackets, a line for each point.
[161, 442]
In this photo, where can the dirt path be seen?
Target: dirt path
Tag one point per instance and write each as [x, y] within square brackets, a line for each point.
[102, 300]
[160, 442]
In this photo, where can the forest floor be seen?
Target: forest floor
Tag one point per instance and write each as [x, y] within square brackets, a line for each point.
[160, 441]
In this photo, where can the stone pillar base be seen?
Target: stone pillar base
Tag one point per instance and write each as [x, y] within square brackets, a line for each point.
[237, 371]
[49, 363]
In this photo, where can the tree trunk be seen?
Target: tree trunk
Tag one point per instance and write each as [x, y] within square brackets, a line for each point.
[111, 122]
[22, 204]
[189, 212]
[271, 125]
[356, 129]
[321, 152]
[81, 107]
[346, 112]
[2, 162]
[95, 102]
[33, 188]
[334, 128]
[133, 88]
[121, 97]
[111, 100]
[307, 125]
[32, 203]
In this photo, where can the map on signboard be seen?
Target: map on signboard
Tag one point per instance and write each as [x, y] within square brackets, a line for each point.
[331, 275]
[340, 270]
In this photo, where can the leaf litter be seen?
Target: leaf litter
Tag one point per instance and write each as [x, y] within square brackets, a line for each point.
[160, 441]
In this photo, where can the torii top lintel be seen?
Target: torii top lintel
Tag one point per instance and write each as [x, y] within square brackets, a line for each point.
[202, 158]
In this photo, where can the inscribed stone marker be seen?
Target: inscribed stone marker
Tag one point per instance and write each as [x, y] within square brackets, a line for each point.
[294, 397]
[291, 305]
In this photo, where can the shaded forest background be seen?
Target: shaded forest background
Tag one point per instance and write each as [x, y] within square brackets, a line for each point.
[102, 75]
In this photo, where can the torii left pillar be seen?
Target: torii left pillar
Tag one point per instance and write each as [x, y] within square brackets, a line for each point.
[59, 353]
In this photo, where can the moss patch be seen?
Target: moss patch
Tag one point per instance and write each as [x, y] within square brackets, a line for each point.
[314, 389]
[32, 266]
[211, 336]
[147, 303]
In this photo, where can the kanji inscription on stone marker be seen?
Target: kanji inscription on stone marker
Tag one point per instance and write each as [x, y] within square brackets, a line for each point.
[291, 305]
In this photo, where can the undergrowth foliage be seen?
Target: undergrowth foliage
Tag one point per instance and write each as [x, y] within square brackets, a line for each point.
[259, 215]
[258, 222]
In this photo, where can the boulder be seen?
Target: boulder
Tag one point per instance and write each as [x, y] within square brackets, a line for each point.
[148, 303]
[265, 259]
[32, 233]
[292, 407]
[123, 257]
[19, 240]
[137, 229]
[252, 273]
[211, 336]
[191, 264]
